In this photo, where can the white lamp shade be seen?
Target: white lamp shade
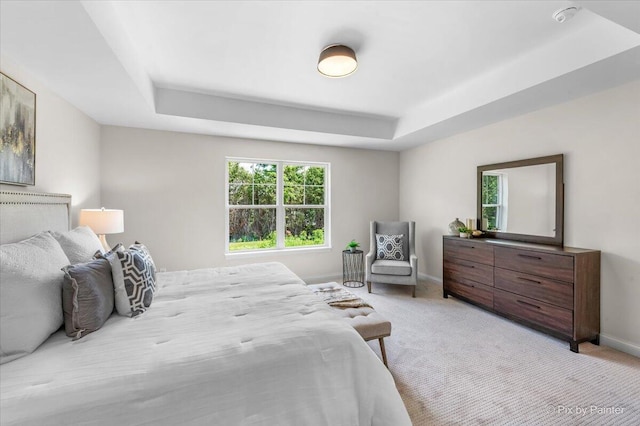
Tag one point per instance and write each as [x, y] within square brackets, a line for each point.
[337, 61]
[103, 221]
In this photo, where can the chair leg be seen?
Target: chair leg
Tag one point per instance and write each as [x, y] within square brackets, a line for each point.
[414, 291]
[383, 352]
[369, 286]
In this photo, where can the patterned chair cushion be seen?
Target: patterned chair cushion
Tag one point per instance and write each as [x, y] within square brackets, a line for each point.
[389, 247]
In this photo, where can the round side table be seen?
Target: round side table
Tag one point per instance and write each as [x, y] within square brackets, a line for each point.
[352, 268]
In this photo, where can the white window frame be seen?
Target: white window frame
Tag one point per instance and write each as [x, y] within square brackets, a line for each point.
[502, 204]
[280, 207]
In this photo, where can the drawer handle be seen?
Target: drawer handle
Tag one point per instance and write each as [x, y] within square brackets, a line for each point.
[528, 304]
[469, 247]
[528, 256]
[467, 266]
[529, 280]
[468, 285]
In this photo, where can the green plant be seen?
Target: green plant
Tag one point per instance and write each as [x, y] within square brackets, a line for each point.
[353, 244]
[464, 230]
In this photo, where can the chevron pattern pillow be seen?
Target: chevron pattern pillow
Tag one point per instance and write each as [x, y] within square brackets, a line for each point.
[134, 279]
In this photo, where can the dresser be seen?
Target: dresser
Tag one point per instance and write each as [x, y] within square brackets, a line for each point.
[552, 289]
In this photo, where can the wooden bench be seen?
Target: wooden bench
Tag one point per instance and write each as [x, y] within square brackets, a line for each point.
[367, 322]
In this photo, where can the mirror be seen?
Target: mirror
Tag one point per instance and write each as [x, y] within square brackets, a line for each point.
[522, 200]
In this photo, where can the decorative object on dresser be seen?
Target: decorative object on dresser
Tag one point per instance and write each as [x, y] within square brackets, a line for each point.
[454, 226]
[552, 289]
[18, 133]
[103, 221]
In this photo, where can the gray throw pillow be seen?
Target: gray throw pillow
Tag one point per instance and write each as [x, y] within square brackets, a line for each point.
[87, 297]
[30, 294]
[134, 279]
[79, 244]
[389, 247]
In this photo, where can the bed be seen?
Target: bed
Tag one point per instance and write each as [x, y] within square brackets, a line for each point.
[229, 346]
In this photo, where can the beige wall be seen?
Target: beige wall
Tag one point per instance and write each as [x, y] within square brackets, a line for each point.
[67, 146]
[172, 188]
[600, 138]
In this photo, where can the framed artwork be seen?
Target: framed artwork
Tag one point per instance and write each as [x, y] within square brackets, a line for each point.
[17, 133]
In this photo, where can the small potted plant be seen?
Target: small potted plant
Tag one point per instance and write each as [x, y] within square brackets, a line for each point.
[464, 232]
[353, 245]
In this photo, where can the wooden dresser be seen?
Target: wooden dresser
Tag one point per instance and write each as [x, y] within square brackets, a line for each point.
[551, 289]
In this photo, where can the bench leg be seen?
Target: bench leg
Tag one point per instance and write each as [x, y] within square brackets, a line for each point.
[414, 291]
[384, 353]
[369, 286]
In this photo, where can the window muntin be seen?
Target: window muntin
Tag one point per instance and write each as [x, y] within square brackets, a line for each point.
[276, 205]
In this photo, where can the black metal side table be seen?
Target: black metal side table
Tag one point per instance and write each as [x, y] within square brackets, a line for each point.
[352, 268]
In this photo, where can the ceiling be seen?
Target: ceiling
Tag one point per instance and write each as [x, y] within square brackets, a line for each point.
[426, 70]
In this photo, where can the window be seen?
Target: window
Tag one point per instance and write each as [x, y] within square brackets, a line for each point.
[494, 201]
[276, 205]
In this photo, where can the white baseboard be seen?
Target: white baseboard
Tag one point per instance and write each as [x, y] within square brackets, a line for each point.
[427, 277]
[620, 345]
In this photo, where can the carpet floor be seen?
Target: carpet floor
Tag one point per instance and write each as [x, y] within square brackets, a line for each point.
[456, 364]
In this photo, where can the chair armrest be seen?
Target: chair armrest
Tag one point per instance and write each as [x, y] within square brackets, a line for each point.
[371, 256]
[413, 261]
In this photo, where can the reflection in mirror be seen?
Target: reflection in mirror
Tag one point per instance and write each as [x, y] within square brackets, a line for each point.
[520, 200]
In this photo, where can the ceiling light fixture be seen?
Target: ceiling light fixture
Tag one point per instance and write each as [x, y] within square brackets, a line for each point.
[337, 60]
[562, 15]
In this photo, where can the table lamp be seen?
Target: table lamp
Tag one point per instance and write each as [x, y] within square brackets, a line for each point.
[103, 221]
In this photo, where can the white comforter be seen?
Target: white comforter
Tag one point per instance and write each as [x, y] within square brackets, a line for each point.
[227, 346]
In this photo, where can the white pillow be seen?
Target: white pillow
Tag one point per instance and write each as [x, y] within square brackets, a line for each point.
[30, 294]
[79, 244]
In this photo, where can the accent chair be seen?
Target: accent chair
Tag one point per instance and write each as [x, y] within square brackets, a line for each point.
[392, 259]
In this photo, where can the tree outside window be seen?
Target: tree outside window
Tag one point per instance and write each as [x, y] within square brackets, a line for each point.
[275, 204]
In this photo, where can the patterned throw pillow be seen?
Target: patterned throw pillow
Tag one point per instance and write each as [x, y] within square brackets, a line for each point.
[134, 279]
[389, 247]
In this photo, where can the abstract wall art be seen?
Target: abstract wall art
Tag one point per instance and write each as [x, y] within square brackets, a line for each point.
[17, 133]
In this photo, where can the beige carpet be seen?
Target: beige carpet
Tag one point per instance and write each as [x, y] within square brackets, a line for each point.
[457, 364]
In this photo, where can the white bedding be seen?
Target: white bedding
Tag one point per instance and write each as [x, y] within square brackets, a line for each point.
[227, 346]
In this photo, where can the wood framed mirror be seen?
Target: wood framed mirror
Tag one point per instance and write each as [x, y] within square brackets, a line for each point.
[522, 200]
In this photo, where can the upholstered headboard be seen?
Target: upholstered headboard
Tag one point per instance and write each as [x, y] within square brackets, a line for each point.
[23, 214]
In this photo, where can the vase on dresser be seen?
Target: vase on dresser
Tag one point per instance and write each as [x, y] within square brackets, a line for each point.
[454, 226]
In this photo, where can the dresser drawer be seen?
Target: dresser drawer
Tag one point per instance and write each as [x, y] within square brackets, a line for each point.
[548, 265]
[458, 268]
[478, 293]
[469, 250]
[558, 293]
[532, 310]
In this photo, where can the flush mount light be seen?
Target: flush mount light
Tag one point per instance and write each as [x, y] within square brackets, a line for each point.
[565, 14]
[337, 60]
